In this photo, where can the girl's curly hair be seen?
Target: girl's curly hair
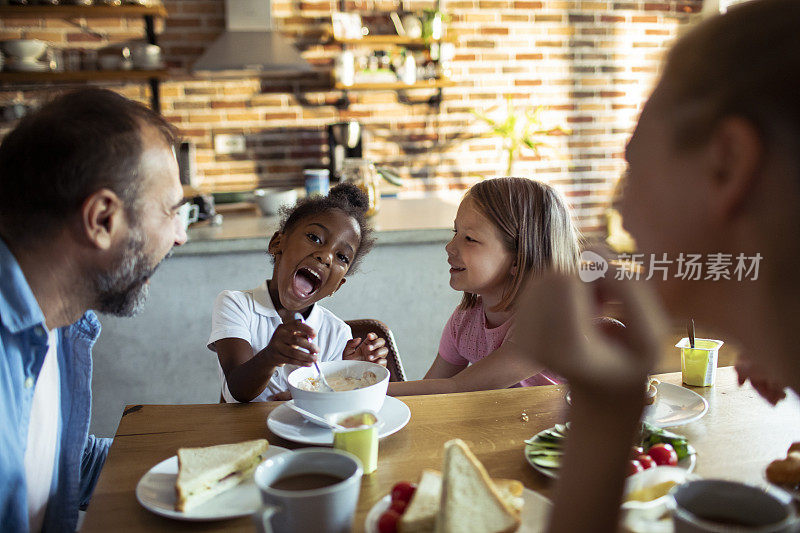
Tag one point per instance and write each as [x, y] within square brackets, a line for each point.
[344, 197]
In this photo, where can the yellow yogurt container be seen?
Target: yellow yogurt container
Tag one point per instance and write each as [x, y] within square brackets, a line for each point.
[359, 436]
[699, 364]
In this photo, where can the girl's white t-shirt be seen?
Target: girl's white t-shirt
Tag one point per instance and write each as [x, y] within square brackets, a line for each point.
[251, 315]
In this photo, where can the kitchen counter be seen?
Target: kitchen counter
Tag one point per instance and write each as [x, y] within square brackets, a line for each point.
[399, 221]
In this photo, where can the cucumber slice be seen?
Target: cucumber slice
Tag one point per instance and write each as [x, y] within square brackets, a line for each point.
[547, 461]
[553, 453]
[541, 444]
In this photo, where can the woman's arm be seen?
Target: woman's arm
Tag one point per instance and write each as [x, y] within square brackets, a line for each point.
[504, 367]
[606, 370]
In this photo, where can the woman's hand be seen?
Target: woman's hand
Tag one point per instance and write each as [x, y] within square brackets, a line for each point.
[555, 326]
[373, 349]
[291, 344]
[769, 388]
[606, 367]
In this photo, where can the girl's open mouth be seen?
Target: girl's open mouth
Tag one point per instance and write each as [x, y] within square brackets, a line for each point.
[305, 282]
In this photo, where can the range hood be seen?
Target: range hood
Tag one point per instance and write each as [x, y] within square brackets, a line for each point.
[249, 44]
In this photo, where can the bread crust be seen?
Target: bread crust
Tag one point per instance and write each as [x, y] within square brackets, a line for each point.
[651, 391]
[484, 476]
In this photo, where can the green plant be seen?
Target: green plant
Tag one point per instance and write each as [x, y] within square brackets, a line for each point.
[521, 128]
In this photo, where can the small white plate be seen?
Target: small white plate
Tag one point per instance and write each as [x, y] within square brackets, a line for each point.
[674, 406]
[156, 493]
[289, 424]
[533, 519]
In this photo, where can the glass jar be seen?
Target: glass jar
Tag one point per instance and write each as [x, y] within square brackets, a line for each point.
[363, 174]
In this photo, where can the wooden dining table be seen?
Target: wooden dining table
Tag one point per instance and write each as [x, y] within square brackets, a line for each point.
[738, 436]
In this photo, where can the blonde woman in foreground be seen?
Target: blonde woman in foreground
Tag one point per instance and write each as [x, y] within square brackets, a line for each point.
[713, 167]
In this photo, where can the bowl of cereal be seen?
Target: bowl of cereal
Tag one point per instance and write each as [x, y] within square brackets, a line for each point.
[357, 385]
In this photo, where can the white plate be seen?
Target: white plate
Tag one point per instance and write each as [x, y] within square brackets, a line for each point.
[156, 493]
[291, 425]
[687, 463]
[674, 406]
[533, 518]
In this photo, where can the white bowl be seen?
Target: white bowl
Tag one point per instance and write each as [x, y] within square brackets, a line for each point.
[271, 200]
[647, 512]
[29, 49]
[328, 403]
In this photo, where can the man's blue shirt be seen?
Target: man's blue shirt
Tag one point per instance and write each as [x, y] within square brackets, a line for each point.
[79, 456]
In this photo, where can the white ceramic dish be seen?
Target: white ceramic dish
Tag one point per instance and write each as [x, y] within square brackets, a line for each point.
[288, 424]
[655, 508]
[29, 49]
[156, 493]
[534, 512]
[687, 463]
[271, 200]
[369, 398]
[674, 406]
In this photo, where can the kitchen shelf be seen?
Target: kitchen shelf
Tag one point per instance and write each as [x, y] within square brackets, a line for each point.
[148, 13]
[396, 86]
[82, 11]
[82, 75]
[399, 40]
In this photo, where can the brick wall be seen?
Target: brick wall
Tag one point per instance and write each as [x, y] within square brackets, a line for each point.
[591, 63]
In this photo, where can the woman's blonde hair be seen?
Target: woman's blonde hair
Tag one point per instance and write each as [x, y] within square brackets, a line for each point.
[745, 63]
[535, 225]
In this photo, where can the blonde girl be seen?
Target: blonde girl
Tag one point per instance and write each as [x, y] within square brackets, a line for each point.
[506, 231]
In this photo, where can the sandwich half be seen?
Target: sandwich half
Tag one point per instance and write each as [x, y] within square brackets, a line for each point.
[420, 515]
[205, 472]
[470, 501]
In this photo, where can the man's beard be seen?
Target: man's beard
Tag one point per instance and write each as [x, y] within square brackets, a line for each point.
[123, 290]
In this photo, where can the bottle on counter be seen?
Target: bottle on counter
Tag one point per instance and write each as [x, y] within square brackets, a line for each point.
[363, 174]
[345, 68]
[317, 181]
[408, 71]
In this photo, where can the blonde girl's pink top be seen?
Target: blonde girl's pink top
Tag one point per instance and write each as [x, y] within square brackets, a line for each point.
[466, 339]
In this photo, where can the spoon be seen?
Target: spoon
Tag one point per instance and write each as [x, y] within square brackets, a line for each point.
[690, 327]
[325, 387]
[312, 416]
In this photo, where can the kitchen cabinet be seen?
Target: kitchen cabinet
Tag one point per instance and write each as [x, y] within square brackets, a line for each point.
[148, 13]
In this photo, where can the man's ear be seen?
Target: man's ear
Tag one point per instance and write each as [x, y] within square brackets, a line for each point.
[737, 157]
[274, 246]
[103, 218]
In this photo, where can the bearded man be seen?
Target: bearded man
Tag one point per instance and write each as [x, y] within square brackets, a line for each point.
[89, 197]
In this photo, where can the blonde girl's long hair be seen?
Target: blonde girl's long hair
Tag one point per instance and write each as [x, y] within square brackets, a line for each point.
[536, 227]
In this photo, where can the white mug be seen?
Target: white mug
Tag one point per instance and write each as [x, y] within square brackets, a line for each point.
[715, 505]
[329, 509]
[147, 56]
[188, 214]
